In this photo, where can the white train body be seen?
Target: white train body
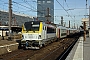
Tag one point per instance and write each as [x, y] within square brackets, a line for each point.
[61, 32]
[36, 34]
[71, 31]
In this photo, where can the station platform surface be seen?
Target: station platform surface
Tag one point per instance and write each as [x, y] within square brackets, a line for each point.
[6, 42]
[81, 50]
[86, 49]
[7, 46]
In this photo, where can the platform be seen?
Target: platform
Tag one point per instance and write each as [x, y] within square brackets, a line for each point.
[86, 50]
[8, 46]
[81, 50]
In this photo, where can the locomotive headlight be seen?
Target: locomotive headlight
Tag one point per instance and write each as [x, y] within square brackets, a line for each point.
[39, 37]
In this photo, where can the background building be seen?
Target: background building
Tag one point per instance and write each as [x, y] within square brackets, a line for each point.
[17, 19]
[87, 22]
[45, 8]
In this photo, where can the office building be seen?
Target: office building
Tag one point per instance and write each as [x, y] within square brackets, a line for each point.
[45, 10]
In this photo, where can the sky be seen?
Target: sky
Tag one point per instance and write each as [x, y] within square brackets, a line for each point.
[71, 10]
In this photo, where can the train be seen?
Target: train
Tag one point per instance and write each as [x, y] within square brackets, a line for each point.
[36, 34]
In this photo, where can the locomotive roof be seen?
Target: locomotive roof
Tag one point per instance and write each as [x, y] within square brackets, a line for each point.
[37, 22]
[33, 21]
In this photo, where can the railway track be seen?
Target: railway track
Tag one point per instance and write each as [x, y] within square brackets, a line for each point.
[67, 51]
[52, 51]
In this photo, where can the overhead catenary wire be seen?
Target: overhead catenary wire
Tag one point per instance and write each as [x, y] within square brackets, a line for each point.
[64, 8]
[31, 8]
[25, 1]
[23, 5]
[27, 7]
[4, 4]
[18, 3]
[68, 6]
[14, 9]
[70, 10]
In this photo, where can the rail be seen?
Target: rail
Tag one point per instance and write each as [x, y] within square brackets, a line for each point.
[67, 51]
[63, 55]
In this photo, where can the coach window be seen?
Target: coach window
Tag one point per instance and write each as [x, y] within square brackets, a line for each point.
[63, 34]
[50, 30]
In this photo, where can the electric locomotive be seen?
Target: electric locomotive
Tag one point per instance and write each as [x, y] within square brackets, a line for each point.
[36, 34]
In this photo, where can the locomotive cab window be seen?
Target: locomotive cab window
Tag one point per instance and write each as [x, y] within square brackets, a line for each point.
[32, 26]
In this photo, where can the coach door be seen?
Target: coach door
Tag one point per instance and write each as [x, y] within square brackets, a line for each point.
[58, 33]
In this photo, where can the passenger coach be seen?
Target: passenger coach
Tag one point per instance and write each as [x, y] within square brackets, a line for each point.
[61, 32]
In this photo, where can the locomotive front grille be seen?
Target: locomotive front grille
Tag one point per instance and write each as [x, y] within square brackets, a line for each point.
[32, 43]
[30, 36]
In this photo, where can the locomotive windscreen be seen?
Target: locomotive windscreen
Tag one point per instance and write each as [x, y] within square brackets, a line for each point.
[32, 26]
